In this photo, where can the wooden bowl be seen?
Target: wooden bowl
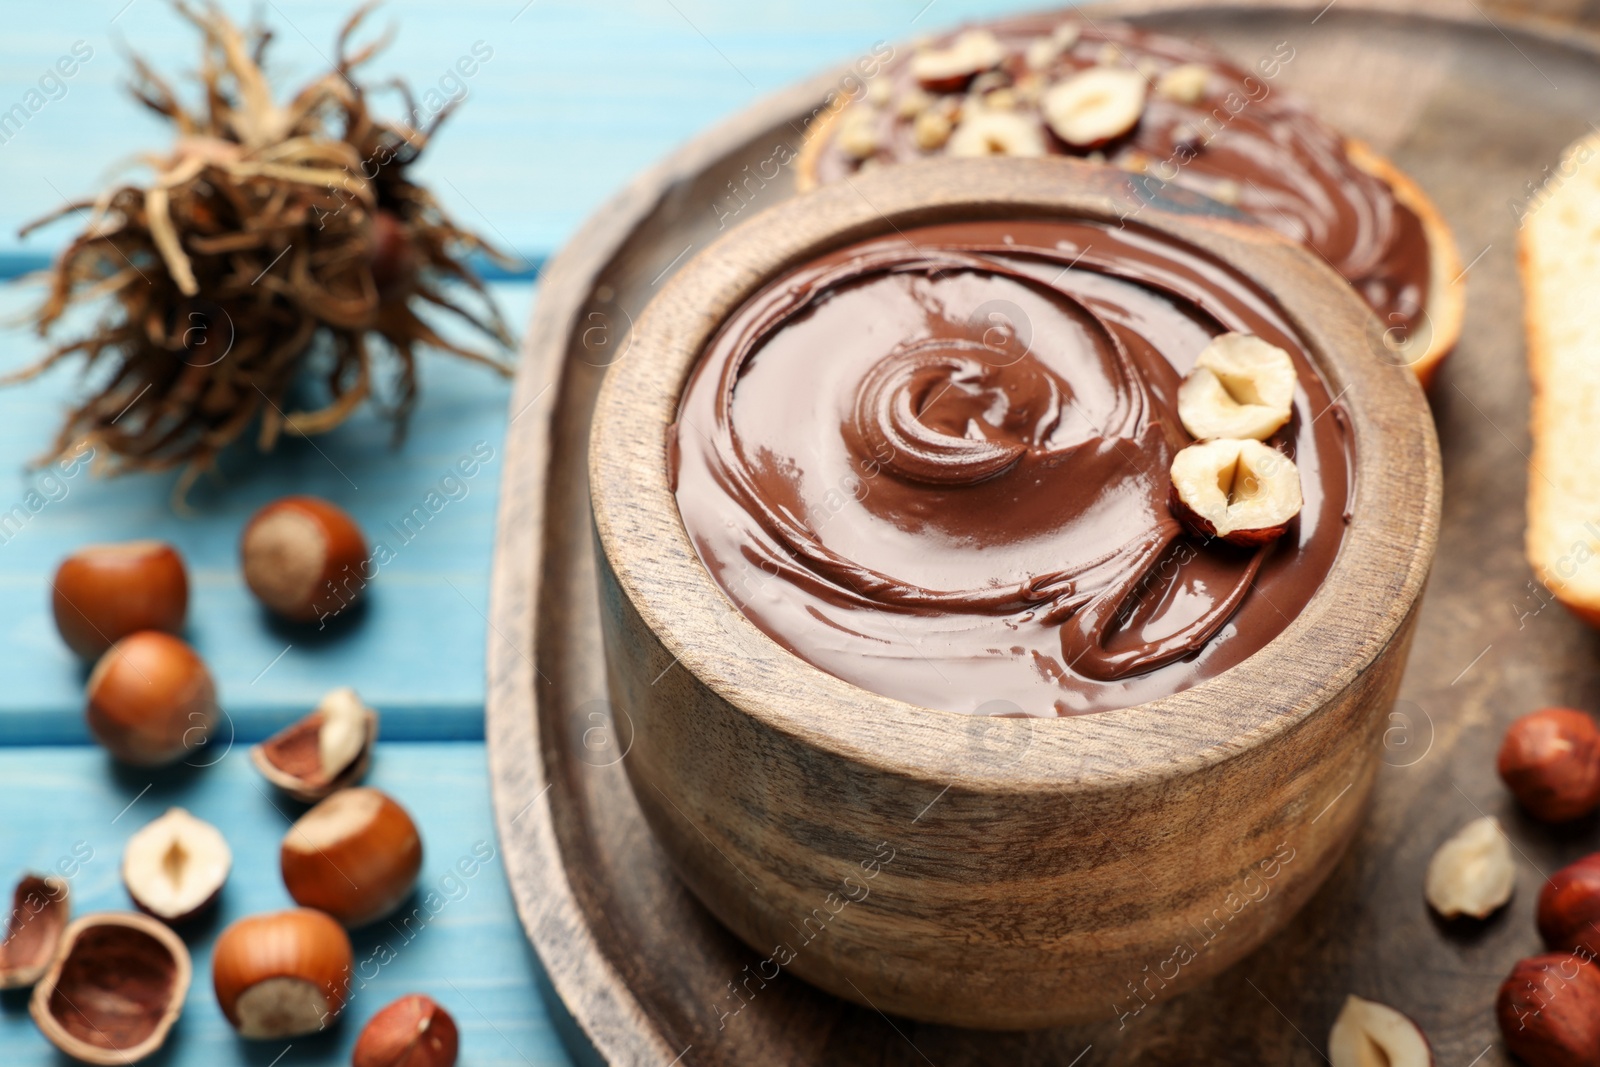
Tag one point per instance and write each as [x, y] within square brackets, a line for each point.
[994, 872]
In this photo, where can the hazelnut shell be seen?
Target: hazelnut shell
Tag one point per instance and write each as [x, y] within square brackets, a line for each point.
[302, 557]
[151, 699]
[114, 989]
[282, 974]
[412, 1032]
[40, 908]
[290, 759]
[355, 856]
[103, 593]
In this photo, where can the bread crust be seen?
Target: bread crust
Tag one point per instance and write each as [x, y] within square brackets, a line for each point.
[1447, 289]
[1545, 501]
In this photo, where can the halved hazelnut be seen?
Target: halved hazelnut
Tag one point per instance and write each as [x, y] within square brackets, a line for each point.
[39, 911]
[1240, 491]
[1184, 84]
[1369, 1034]
[1550, 760]
[983, 132]
[303, 558]
[151, 699]
[1569, 907]
[945, 70]
[355, 856]
[103, 593]
[282, 974]
[114, 989]
[1472, 873]
[1240, 386]
[411, 1032]
[1096, 106]
[323, 752]
[1549, 1011]
[175, 867]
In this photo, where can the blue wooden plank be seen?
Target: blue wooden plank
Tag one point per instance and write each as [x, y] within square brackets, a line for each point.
[575, 98]
[415, 652]
[464, 948]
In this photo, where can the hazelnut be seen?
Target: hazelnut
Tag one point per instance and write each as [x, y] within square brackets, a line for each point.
[1096, 106]
[411, 1032]
[39, 911]
[1185, 84]
[282, 974]
[323, 752]
[996, 133]
[1241, 491]
[1550, 760]
[857, 136]
[151, 699]
[114, 989]
[303, 558]
[1240, 387]
[174, 868]
[1569, 907]
[355, 856]
[103, 593]
[1369, 1034]
[1472, 873]
[946, 70]
[1549, 1011]
[930, 130]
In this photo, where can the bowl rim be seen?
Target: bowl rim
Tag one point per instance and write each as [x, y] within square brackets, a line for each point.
[1369, 592]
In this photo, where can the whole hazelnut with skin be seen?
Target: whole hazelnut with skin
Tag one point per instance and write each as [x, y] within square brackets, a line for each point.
[151, 699]
[1550, 760]
[303, 558]
[283, 974]
[1569, 907]
[355, 856]
[411, 1032]
[1549, 1011]
[103, 593]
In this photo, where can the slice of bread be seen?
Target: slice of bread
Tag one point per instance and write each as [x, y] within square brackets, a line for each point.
[1447, 289]
[1559, 257]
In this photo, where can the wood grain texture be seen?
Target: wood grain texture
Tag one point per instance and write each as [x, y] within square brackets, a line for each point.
[1033, 876]
[1470, 107]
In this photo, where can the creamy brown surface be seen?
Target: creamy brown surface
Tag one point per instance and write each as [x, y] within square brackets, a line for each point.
[937, 467]
[1245, 143]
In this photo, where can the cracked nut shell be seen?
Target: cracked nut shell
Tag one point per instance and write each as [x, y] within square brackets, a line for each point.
[114, 989]
[40, 908]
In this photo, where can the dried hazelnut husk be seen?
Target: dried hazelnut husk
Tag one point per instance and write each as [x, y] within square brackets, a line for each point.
[114, 989]
[412, 1032]
[1549, 1011]
[355, 856]
[1550, 760]
[282, 974]
[1569, 907]
[39, 911]
[103, 593]
[322, 753]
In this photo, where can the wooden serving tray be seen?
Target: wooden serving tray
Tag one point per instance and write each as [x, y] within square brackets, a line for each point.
[1473, 108]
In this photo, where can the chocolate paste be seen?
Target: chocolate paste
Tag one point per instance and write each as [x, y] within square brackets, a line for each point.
[1245, 142]
[936, 466]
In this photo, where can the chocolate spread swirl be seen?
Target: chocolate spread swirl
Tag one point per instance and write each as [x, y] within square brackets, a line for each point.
[1244, 141]
[936, 466]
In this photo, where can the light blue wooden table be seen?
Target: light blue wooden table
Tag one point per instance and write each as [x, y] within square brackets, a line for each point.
[575, 98]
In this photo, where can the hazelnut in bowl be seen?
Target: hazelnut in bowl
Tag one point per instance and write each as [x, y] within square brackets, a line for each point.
[1006, 573]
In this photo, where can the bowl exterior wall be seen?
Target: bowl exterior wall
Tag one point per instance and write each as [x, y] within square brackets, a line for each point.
[967, 904]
